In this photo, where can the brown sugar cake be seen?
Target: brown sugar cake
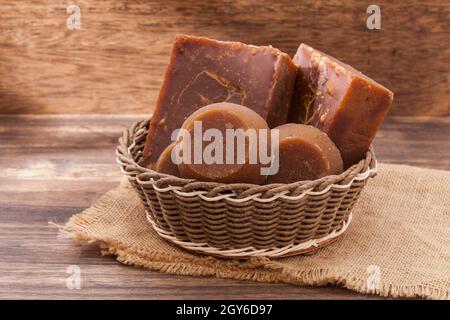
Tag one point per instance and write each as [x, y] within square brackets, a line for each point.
[202, 71]
[165, 163]
[305, 153]
[223, 117]
[338, 100]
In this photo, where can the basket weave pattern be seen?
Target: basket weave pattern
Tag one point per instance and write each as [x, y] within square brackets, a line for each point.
[242, 217]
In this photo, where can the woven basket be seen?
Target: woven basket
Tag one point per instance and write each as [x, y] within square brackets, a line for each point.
[243, 220]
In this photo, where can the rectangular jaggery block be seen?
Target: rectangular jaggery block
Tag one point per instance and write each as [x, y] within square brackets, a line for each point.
[339, 100]
[202, 71]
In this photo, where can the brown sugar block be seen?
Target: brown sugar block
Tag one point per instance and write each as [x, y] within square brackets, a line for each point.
[222, 117]
[202, 71]
[338, 100]
[165, 163]
[305, 153]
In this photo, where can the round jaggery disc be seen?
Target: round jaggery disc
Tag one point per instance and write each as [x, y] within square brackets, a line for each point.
[164, 164]
[305, 153]
[219, 155]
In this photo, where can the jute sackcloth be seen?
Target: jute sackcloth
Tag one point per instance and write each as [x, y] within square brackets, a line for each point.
[397, 245]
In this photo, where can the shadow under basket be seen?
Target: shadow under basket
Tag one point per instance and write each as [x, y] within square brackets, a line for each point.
[243, 220]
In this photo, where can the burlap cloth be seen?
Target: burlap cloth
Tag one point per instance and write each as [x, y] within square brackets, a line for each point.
[398, 243]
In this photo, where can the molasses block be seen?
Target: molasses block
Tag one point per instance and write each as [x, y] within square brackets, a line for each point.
[339, 100]
[203, 71]
[305, 153]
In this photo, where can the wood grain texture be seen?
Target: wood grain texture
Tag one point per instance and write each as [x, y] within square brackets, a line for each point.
[115, 63]
[52, 166]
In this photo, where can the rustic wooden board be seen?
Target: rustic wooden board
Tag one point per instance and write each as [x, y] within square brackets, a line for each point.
[115, 62]
[52, 166]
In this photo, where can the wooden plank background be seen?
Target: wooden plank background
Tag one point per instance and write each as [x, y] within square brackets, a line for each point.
[115, 62]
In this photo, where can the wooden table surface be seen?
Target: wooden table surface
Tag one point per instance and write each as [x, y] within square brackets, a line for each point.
[52, 166]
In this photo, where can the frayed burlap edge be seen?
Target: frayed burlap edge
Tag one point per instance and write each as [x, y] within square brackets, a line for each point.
[255, 269]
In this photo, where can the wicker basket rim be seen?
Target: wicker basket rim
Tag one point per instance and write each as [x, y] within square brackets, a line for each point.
[257, 196]
[235, 192]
